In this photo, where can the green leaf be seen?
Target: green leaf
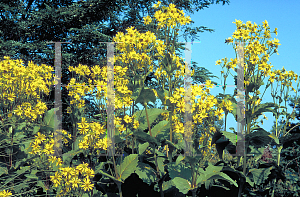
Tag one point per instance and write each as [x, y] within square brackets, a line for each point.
[250, 182]
[275, 138]
[160, 163]
[179, 158]
[231, 136]
[23, 170]
[261, 108]
[257, 152]
[167, 185]
[35, 129]
[179, 170]
[222, 175]
[146, 95]
[98, 170]
[152, 115]
[161, 128]
[68, 156]
[182, 184]
[143, 147]
[258, 138]
[144, 137]
[259, 175]
[49, 118]
[146, 173]
[3, 171]
[128, 166]
[254, 84]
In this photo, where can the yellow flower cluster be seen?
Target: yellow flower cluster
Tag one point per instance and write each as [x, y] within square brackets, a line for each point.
[93, 135]
[19, 83]
[5, 193]
[255, 52]
[168, 16]
[76, 178]
[39, 147]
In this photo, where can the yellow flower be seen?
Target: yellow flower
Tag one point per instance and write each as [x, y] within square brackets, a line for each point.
[5, 193]
[127, 119]
[83, 145]
[83, 127]
[218, 62]
[75, 181]
[147, 20]
[275, 31]
[52, 159]
[89, 173]
[56, 179]
[48, 149]
[87, 185]
[40, 138]
[157, 5]
[19, 111]
[69, 110]
[82, 167]
[136, 124]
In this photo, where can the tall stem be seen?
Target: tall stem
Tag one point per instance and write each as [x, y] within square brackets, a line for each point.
[148, 119]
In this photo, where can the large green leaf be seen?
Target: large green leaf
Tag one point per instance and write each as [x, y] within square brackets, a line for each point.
[214, 172]
[144, 137]
[160, 129]
[49, 118]
[106, 174]
[160, 163]
[182, 184]
[146, 173]
[258, 138]
[128, 166]
[146, 95]
[179, 158]
[261, 108]
[231, 136]
[167, 185]
[259, 175]
[257, 152]
[143, 147]
[152, 115]
[179, 170]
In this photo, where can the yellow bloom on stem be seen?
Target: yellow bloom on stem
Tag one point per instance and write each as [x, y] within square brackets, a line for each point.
[83, 145]
[136, 124]
[127, 119]
[83, 127]
[56, 179]
[147, 20]
[87, 185]
[75, 181]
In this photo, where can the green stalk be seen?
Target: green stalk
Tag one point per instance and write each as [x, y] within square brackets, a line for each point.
[148, 119]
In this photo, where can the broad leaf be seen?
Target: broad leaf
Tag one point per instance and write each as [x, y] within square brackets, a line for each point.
[144, 137]
[259, 175]
[128, 166]
[161, 129]
[152, 115]
[146, 173]
[179, 170]
[182, 184]
[146, 95]
[143, 147]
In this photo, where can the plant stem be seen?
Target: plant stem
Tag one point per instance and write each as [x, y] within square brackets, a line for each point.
[148, 119]
[119, 188]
